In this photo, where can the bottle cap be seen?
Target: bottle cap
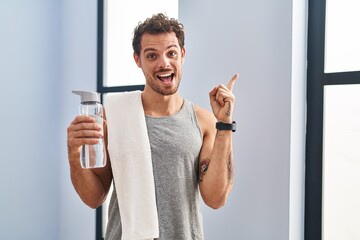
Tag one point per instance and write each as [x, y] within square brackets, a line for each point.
[87, 96]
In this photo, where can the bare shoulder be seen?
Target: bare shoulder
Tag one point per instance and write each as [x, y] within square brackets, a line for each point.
[206, 119]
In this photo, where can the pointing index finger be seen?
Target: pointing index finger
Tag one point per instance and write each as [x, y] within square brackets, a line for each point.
[232, 81]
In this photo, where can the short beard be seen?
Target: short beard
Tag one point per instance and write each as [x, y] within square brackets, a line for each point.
[161, 91]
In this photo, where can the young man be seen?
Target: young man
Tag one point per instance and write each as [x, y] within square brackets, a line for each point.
[191, 148]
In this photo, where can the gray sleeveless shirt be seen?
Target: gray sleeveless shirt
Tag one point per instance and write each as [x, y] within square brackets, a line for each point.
[175, 143]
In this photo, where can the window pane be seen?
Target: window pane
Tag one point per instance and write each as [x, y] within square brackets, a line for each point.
[342, 38]
[121, 17]
[341, 164]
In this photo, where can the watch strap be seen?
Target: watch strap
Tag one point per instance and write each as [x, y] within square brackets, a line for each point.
[226, 126]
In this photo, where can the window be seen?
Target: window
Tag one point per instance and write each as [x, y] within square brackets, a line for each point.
[333, 88]
[341, 165]
[342, 37]
[119, 21]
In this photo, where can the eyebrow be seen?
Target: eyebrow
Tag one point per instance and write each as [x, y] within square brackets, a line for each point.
[153, 49]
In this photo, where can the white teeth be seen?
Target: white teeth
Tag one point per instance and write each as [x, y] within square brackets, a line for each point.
[164, 75]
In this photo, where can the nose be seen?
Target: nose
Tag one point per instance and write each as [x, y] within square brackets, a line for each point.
[164, 62]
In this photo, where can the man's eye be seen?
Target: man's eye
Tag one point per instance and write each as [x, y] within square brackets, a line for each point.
[151, 56]
[172, 54]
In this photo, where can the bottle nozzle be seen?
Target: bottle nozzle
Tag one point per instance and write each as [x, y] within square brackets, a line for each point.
[87, 96]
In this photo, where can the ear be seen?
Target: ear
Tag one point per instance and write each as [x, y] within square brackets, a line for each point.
[183, 51]
[137, 60]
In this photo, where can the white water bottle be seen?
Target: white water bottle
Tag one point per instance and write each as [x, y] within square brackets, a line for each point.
[92, 156]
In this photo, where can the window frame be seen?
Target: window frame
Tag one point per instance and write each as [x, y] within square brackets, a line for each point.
[317, 79]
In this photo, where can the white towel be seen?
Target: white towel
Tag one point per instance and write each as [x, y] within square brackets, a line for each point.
[130, 156]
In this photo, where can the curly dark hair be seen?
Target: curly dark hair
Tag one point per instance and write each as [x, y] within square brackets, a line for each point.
[158, 23]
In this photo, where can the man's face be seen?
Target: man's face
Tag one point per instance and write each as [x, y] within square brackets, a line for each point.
[161, 60]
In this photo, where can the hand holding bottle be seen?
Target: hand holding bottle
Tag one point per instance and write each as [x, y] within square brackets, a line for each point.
[85, 133]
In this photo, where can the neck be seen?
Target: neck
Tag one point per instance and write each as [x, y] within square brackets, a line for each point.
[157, 105]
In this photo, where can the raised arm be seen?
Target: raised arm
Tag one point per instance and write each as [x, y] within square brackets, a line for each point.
[216, 161]
[92, 185]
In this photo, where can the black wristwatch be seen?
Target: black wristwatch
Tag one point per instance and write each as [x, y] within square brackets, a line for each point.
[226, 126]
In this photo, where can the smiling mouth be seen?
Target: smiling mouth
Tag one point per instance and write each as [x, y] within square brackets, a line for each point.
[166, 77]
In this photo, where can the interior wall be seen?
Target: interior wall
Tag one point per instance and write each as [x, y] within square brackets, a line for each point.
[30, 77]
[79, 63]
[47, 49]
[298, 119]
[255, 39]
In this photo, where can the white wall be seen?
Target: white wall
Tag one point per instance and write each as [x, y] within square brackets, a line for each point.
[253, 38]
[79, 44]
[298, 121]
[30, 78]
[48, 48]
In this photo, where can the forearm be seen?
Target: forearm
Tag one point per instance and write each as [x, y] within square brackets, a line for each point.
[217, 172]
[92, 185]
[88, 184]
[216, 159]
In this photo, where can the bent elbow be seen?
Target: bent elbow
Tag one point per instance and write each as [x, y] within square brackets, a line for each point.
[216, 203]
[216, 206]
[215, 198]
[93, 203]
[93, 206]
